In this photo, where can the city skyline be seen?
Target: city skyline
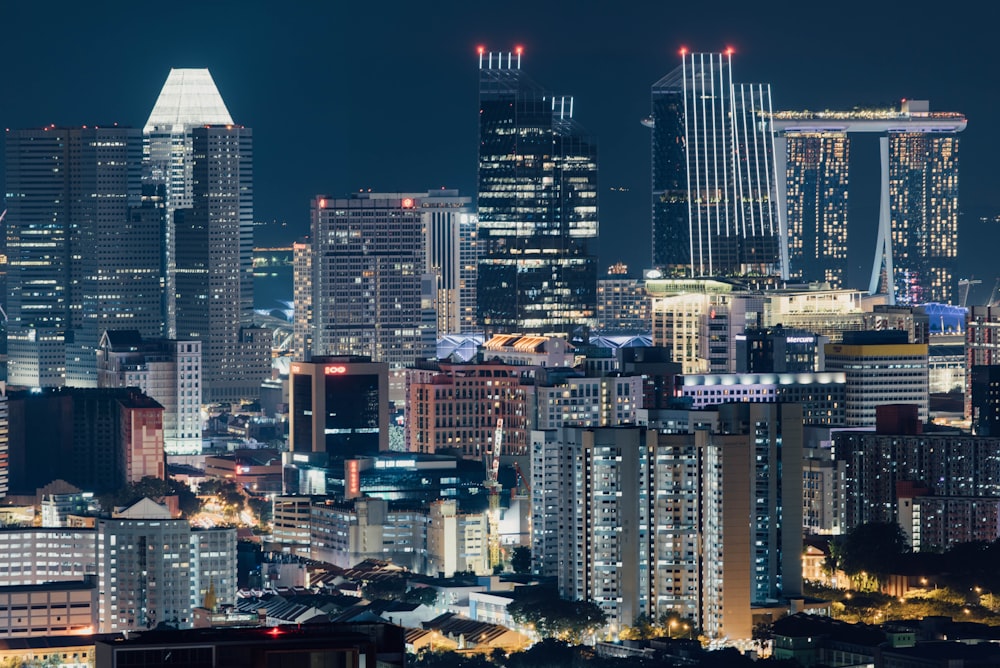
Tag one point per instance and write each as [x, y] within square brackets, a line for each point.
[372, 142]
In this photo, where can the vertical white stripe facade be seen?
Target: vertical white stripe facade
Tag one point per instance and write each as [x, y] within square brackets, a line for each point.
[733, 223]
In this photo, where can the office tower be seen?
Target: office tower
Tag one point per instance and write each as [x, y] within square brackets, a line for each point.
[168, 371]
[714, 211]
[367, 267]
[917, 242]
[538, 205]
[982, 355]
[880, 368]
[453, 249]
[83, 250]
[188, 99]
[95, 439]
[214, 265]
[339, 405]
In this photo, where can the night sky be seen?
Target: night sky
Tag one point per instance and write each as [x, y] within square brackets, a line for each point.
[383, 95]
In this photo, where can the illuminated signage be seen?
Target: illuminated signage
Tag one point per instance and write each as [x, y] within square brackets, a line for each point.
[799, 339]
[353, 478]
[300, 458]
[296, 368]
[334, 369]
[407, 203]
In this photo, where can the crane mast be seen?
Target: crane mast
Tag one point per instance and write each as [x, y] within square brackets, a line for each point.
[493, 489]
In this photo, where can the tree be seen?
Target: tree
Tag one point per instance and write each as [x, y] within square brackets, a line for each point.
[520, 559]
[872, 549]
[421, 595]
[384, 589]
[676, 625]
[152, 488]
[554, 617]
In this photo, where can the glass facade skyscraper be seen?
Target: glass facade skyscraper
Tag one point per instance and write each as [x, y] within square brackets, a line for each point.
[188, 99]
[84, 249]
[537, 205]
[713, 179]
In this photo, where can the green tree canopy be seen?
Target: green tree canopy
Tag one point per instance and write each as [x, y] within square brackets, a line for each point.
[554, 617]
[520, 560]
[874, 548]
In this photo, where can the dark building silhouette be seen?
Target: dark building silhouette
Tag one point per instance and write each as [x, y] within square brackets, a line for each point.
[96, 439]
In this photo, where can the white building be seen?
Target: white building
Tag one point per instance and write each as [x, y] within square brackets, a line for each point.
[213, 564]
[452, 246]
[147, 565]
[642, 523]
[169, 371]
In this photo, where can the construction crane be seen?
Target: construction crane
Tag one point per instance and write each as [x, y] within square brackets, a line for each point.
[522, 489]
[963, 290]
[493, 489]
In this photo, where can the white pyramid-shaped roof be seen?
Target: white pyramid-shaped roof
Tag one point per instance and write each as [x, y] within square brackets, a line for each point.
[188, 98]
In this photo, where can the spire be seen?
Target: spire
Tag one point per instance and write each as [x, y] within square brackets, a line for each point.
[189, 97]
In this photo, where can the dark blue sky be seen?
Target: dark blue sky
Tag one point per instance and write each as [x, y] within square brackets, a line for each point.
[383, 95]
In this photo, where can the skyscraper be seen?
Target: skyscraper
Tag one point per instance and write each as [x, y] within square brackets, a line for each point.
[706, 524]
[917, 240]
[537, 205]
[713, 205]
[84, 251]
[453, 248]
[214, 265]
[367, 265]
[188, 99]
[817, 180]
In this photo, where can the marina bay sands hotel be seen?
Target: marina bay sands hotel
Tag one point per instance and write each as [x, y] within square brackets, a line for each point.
[917, 240]
[742, 190]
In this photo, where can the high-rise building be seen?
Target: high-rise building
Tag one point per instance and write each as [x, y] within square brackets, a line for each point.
[880, 368]
[705, 523]
[84, 250]
[214, 265]
[714, 199]
[622, 306]
[154, 569]
[982, 348]
[339, 405]
[453, 248]
[169, 371]
[188, 99]
[917, 240]
[367, 266]
[538, 205]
